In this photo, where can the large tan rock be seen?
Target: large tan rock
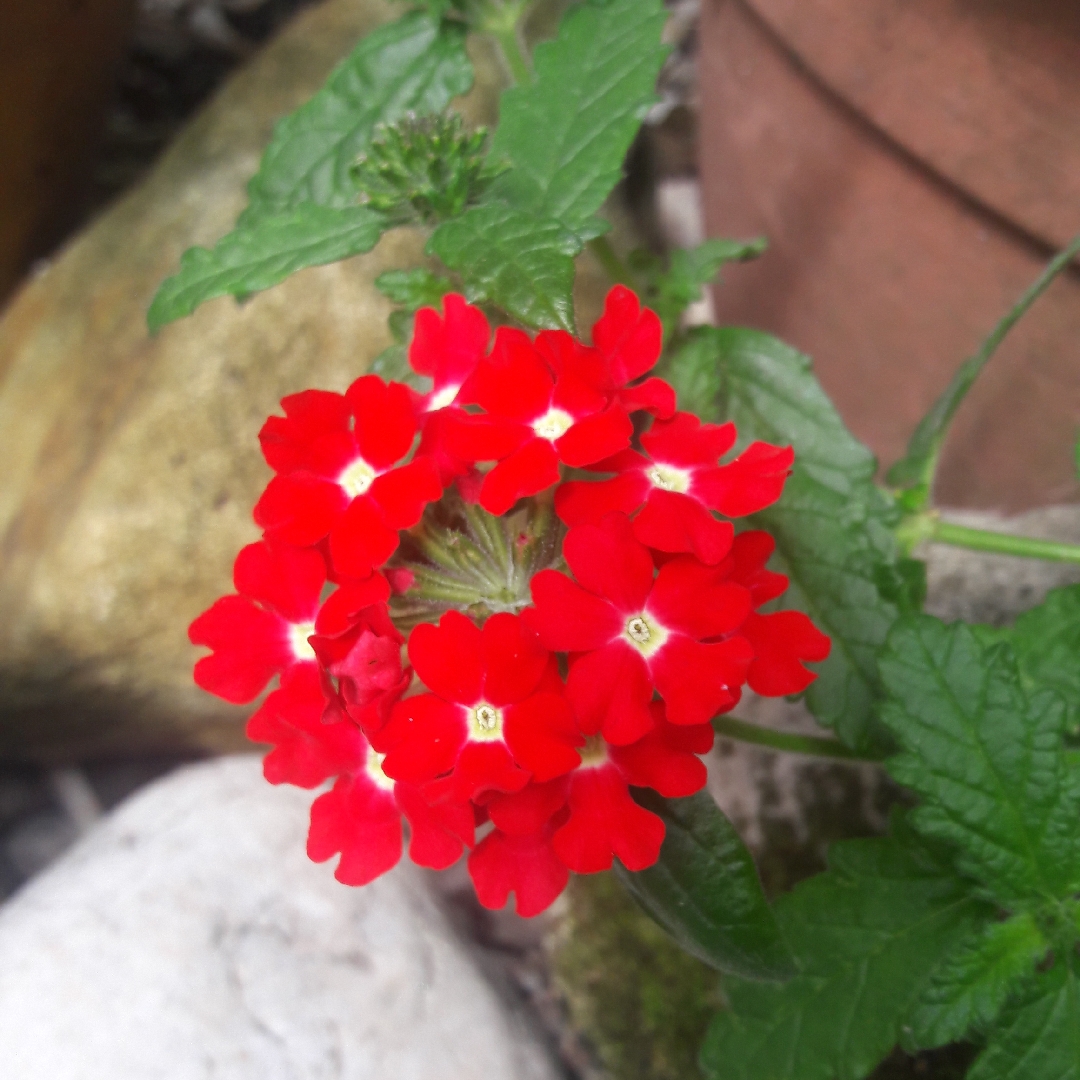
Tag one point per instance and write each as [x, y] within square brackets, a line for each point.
[130, 464]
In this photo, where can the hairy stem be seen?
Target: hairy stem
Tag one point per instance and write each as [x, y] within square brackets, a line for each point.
[609, 259]
[503, 23]
[815, 746]
[1002, 543]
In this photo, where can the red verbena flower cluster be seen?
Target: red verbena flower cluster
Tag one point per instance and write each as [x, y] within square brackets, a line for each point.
[513, 715]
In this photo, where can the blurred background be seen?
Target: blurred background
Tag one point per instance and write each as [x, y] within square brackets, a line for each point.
[913, 164]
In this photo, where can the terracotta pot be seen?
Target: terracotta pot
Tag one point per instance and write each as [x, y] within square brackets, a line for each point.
[58, 61]
[914, 163]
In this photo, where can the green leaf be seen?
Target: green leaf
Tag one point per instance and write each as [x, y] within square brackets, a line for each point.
[672, 290]
[1039, 1037]
[517, 261]
[415, 65]
[413, 289]
[969, 990]
[986, 757]
[263, 254]
[567, 132]
[833, 526]
[916, 469]
[706, 893]
[868, 935]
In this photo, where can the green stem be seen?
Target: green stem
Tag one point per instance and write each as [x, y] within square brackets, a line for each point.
[504, 25]
[945, 532]
[731, 728]
[608, 258]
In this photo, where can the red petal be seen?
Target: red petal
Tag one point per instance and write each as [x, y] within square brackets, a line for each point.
[310, 415]
[306, 751]
[514, 660]
[483, 767]
[526, 812]
[423, 738]
[666, 759]
[595, 437]
[361, 821]
[514, 382]
[449, 658]
[439, 832]
[287, 579]
[404, 492]
[605, 821]
[781, 642]
[362, 540]
[754, 480]
[528, 470]
[672, 522]
[608, 560]
[541, 733]
[699, 680]
[749, 554]
[609, 691]
[345, 607]
[566, 356]
[653, 396]
[483, 438]
[684, 441]
[299, 509]
[696, 600]
[250, 646]
[449, 349]
[385, 420]
[566, 617]
[523, 865]
[629, 336]
[579, 502]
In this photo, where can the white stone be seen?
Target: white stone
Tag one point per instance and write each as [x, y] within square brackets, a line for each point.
[188, 937]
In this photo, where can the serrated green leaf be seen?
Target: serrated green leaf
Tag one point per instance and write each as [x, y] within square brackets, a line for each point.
[986, 757]
[673, 289]
[519, 262]
[916, 468]
[867, 936]
[706, 893]
[833, 525]
[1039, 1037]
[413, 289]
[258, 256]
[567, 132]
[414, 65]
[970, 989]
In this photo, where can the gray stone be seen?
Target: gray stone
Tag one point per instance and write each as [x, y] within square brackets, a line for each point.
[189, 937]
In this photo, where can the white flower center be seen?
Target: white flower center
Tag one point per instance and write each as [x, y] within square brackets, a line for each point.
[669, 478]
[357, 478]
[594, 752]
[645, 634]
[485, 723]
[373, 766]
[443, 398]
[299, 632]
[553, 424]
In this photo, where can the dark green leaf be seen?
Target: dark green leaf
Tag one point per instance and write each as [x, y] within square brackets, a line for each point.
[916, 469]
[258, 256]
[969, 990]
[986, 757]
[867, 936]
[413, 289]
[566, 133]
[833, 525]
[1039, 1037]
[414, 65]
[705, 891]
[519, 262]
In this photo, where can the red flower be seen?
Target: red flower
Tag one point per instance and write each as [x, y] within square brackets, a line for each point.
[518, 856]
[311, 742]
[339, 473]
[496, 715]
[534, 421]
[636, 632]
[679, 485]
[448, 349]
[361, 818]
[264, 630]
